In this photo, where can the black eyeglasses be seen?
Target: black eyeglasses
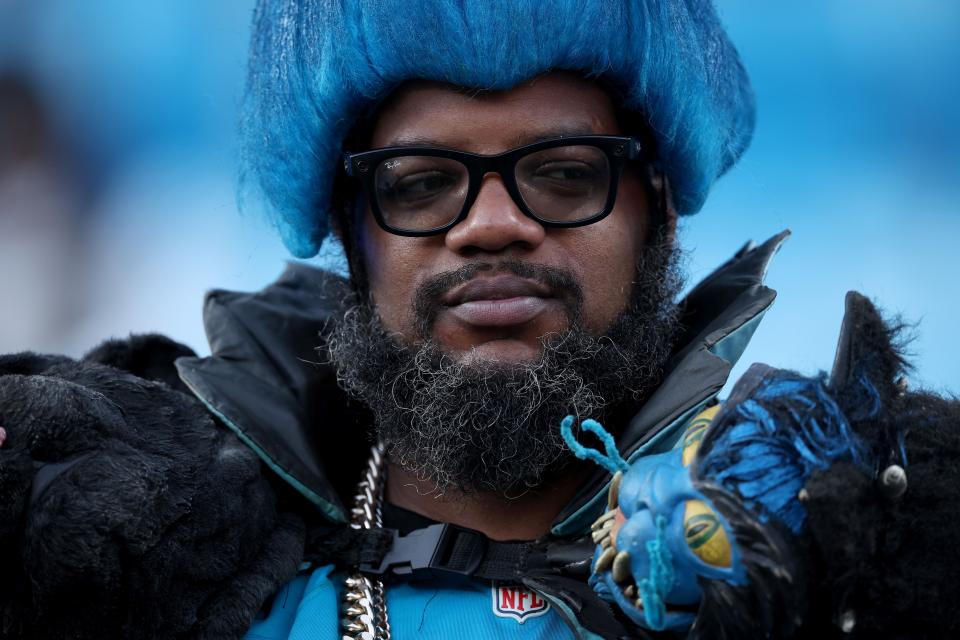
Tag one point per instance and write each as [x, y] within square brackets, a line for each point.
[422, 191]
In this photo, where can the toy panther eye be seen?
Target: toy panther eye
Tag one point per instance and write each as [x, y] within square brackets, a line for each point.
[691, 443]
[705, 536]
[695, 432]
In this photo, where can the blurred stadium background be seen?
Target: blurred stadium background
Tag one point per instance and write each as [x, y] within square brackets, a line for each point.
[116, 171]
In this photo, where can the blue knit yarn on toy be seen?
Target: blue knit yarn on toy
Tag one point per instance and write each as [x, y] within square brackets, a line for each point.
[316, 67]
[766, 446]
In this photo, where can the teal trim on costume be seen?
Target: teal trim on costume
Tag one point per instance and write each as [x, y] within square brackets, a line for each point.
[328, 509]
[732, 346]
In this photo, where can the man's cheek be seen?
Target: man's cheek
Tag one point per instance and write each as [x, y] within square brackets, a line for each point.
[603, 302]
[396, 313]
[391, 291]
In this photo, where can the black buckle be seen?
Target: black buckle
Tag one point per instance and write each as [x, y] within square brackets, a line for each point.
[439, 547]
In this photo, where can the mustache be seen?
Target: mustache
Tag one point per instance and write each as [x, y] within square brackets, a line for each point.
[428, 298]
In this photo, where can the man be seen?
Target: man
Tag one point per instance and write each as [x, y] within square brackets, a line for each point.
[512, 251]
[505, 181]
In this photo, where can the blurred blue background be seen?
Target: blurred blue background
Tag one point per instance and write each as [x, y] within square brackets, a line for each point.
[117, 171]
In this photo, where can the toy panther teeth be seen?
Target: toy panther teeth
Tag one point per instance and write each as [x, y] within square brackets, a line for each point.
[630, 564]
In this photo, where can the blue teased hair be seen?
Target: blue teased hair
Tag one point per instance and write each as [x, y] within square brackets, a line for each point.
[315, 66]
[765, 446]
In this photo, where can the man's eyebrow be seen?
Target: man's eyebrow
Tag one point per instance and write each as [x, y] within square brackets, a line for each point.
[416, 141]
[529, 137]
[566, 131]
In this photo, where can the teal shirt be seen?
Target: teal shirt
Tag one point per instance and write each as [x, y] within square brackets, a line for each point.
[307, 608]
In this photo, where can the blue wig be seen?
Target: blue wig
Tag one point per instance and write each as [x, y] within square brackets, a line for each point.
[316, 66]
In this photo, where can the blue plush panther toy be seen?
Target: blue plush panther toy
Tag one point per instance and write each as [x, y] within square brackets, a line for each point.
[787, 512]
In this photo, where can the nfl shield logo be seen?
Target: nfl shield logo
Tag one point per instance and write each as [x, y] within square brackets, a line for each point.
[517, 602]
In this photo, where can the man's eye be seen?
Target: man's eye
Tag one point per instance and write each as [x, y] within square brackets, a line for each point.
[566, 171]
[420, 186]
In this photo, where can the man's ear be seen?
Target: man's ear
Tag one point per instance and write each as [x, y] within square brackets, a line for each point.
[341, 207]
[662, 206]
[336, 226]
[343, 225]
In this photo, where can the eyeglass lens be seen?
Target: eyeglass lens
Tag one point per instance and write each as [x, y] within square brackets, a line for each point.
[564, 184]
[558, 184]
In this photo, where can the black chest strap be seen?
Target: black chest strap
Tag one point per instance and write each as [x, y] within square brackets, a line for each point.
[448, 548]
[554, 566]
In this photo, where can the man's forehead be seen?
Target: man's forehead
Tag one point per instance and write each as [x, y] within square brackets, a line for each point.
[550, 106]
[548, 132]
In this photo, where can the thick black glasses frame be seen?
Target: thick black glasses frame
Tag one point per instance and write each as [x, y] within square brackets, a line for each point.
[619, 150]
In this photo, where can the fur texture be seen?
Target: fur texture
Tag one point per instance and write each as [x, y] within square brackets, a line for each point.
[316, 67]
[125, 511]
[829, 552]
[150, 356]
[890, 563]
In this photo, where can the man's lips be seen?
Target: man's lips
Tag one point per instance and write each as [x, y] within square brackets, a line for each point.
[498, 301]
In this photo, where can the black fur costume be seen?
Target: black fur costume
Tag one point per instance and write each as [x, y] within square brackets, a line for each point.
[125, 512]
[872, 560]
[884, 564]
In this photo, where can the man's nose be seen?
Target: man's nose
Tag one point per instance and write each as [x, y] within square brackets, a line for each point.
[494, 223]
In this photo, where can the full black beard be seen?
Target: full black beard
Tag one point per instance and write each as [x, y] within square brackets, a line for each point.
[495, 427]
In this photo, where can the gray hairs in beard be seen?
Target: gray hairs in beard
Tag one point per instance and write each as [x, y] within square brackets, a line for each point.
[495, 427]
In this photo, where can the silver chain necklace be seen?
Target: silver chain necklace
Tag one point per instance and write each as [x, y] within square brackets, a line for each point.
[364, 605]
